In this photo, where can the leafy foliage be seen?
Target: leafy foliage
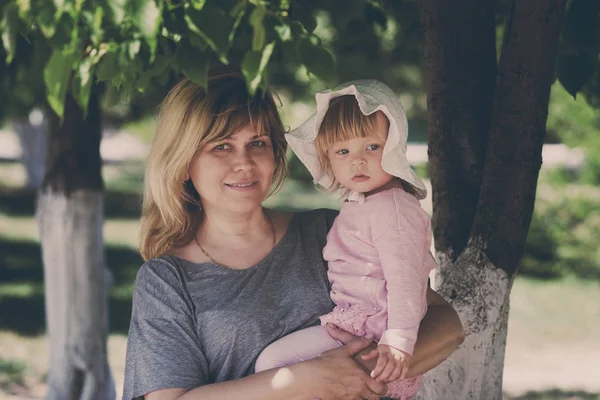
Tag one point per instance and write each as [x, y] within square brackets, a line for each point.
[563, 235]
[576, 123]
[135, 45]
[579, 49]
[130, 43]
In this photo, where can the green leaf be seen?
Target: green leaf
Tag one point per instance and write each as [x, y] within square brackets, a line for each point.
[318, 61]
[256, 21]
[290, 52]
[56, 77]
[375, 14]
[238, 12]
[82, 83]
[24, 7]
[197, 41]
[308, 21]
[581, 27]
[147, 17]
[284, 32]
[108, 67]
[158, 67]
[214, 25]
[118, 10]
[45, 20]
[66, 33]
[575, 69]
[193, 63]
[94, 22]
[9, 31]
[297, 29]
[254, 65]
[133, 48]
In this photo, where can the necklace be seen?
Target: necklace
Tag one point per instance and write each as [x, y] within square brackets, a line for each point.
[213, 260]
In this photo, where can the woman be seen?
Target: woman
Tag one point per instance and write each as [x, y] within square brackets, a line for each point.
[225, 277]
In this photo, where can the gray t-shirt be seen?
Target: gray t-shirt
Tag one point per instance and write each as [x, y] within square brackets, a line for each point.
[196, 324]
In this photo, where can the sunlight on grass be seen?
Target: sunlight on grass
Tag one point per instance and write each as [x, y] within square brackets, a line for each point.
[116, 231]
[535, 307]
[20, 289]
[553, 332]
[11, 372]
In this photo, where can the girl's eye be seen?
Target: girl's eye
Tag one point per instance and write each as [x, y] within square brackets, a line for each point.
[342, 152]
[372, 147]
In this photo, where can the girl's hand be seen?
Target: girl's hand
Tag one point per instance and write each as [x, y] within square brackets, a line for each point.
[392, 364]
[335, 376]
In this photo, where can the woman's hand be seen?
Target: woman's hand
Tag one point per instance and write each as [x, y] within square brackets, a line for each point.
[335, 376]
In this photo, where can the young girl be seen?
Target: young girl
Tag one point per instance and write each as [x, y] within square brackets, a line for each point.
[378, 247]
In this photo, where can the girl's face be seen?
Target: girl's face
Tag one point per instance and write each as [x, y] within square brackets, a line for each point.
[234, 174]
[356, 163]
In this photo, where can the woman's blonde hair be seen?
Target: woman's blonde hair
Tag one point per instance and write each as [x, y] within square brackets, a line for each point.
[188, 119]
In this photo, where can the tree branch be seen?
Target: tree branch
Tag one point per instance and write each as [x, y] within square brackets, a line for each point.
[460, 70]
[514, 154]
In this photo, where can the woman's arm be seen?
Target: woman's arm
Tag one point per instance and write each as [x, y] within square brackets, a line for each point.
[331, 376]
[440, 332]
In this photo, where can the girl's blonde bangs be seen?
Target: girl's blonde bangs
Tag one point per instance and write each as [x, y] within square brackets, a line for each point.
[343, 121]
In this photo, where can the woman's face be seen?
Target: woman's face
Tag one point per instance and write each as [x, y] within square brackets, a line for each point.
[234, 174]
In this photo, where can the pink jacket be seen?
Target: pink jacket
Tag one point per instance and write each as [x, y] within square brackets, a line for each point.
[379, 260]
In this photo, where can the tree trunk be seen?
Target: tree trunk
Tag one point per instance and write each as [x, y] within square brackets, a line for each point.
[477, 277]
[32, 137]
[70, 218]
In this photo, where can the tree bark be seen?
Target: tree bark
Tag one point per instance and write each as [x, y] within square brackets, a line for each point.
[477, 279]
[70, 218]
[460, 69]
[519, 115]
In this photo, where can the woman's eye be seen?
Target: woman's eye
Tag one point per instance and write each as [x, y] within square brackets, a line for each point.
[372, 147]
[342, 152]
[258, 143]
[221, 147]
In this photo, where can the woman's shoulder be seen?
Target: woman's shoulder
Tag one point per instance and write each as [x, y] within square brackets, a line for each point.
[308, 218]
[159, 270]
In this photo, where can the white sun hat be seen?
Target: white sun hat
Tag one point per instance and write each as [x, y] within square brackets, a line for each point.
[372, 96]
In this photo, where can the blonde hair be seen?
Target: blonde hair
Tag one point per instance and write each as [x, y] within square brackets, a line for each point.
[188, 119]
[343, 121]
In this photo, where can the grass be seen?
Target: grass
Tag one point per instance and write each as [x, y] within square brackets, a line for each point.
[11, 373]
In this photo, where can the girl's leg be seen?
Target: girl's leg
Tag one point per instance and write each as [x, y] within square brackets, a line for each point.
[298, 346]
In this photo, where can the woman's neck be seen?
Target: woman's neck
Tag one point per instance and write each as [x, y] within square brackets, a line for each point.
[234, 230]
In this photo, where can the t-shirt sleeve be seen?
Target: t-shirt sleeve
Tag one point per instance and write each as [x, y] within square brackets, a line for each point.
[163, 349]
[330, 217]
[402, 240]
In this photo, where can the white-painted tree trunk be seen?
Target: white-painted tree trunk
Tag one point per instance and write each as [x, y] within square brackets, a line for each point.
[33, 138]
[76, 288]
[480, 294]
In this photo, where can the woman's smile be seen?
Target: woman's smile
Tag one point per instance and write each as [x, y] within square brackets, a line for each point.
[243, 186]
